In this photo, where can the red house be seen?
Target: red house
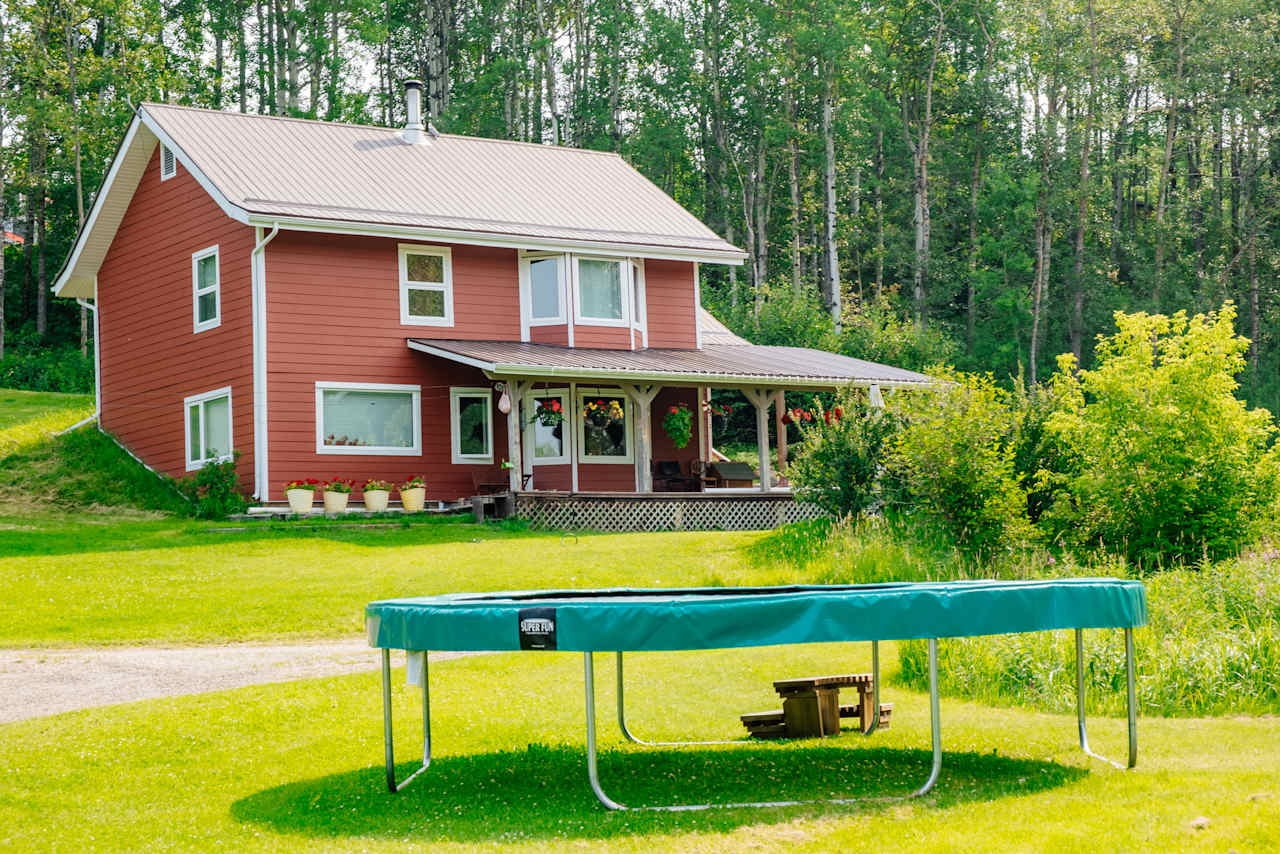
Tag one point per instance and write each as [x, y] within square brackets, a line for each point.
[332, 299]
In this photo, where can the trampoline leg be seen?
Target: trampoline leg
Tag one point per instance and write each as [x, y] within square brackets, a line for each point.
[392, 786]
[1080, 689]
[875, 689]
[589, 678]
[935, 723]
[626, 733]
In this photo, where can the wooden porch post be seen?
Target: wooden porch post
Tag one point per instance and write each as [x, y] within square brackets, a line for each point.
[779, 409]
[760, 399]
[642, 397]
[515, 391]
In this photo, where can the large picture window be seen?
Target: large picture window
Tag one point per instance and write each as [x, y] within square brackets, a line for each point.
[602, 290]
[208, 427]
[548, 419]
[368, 418]
[205, 277]
[471, 424]
[426, 285]
[604, 427]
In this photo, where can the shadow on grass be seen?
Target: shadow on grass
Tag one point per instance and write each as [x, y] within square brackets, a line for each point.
[542, 792]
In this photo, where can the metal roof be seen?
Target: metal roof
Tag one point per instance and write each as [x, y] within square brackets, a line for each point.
[714, 364]
[712, 331]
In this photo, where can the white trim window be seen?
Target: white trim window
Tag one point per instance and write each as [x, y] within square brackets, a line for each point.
[544, 288]
[547, 441]
[206, 290]
[639, 309]
[602, 291]
[471, 425]
[168, 163]
[383, 419]
[426, 285]
[207, 430]
[604, 436]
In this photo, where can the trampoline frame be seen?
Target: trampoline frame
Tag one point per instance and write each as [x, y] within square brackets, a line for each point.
[593, 775]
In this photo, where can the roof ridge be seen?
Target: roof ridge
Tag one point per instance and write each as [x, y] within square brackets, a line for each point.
[327, 123]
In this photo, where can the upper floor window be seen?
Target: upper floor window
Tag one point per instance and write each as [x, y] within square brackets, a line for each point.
[208, 427]
[168, 163]
[206, 299]
[543, 278]
[602, 290]
[368, 418]
[426, 285]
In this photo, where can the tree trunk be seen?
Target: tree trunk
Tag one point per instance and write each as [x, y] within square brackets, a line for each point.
[975, 182]
[879, 206]
[1082, 201]
[72, 98]
[548, 67]
[919, 145]
[1044, 228]
[831, 275]
[1166, 166]
[793, 184]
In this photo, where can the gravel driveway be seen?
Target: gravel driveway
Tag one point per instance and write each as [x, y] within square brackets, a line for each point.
[37, 682]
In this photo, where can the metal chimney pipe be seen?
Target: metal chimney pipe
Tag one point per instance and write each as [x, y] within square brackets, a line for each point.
[413, 130]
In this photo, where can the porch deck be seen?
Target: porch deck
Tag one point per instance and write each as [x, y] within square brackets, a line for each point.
[720, 510]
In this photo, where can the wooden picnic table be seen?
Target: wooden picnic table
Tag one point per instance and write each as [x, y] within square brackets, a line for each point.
[811, 707]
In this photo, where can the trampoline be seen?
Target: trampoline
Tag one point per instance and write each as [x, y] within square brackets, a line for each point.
[643, 620]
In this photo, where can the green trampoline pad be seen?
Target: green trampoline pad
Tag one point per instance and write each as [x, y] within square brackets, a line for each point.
[629, 620]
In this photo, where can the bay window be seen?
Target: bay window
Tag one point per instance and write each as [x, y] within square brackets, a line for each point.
[602, 291]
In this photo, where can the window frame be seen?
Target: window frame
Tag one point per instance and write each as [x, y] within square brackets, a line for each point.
[526, 287]
[628, 419]
[566, 402]
[415, 392]
[199, 400]
[404, 250]
[198, 325]
[167, 153]
[456, 393]
[624, 276]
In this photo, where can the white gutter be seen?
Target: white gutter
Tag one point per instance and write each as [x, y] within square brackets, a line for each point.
[258, 279]
[97, 357]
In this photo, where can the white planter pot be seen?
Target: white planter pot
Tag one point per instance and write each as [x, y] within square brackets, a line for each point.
[300, 500]
[335, 502]
[375, 500]
[413, 499]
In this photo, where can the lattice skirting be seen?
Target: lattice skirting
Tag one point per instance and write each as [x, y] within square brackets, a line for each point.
[610, 513]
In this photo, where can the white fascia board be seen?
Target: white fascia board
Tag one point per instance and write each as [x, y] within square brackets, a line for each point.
[472, 238]
[236, 212]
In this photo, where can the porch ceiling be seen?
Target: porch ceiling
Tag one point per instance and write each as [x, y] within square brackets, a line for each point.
[715, 364]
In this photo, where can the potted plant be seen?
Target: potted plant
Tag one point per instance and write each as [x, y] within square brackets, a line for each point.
[678, 424]
[376, 495]
[301, 495]
[337, 491]
[413, 493]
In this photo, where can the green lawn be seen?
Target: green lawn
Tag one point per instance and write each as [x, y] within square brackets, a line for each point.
[296, 767]
[26, 417]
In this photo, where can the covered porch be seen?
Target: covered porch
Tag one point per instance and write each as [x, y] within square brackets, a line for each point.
[584, 427]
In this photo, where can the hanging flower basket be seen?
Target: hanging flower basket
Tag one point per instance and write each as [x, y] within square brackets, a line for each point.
[602, 413]
[678, 424]
[549, 413]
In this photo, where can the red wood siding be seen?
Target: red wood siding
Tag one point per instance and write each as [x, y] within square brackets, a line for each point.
[557, 335]
[602, 337]
[333, 312]
[151, 358]
[672, 308]
[663, 447]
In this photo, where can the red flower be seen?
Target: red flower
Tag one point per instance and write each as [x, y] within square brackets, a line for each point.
[673, 410]
[786, 418]
[839, 414]
[826, 416]
[555, 405]
[808, 416]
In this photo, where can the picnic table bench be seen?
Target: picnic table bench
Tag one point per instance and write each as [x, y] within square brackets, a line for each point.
[811, 708]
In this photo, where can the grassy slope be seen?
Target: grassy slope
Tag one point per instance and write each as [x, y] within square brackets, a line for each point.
[26, 417]
[296, 767]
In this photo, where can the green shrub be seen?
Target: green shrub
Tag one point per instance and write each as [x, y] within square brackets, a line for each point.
[1162, 461]
[841, 465]
[214, 490]
[1212, 647]
[63, 369]
[875, 331]
[956, 456]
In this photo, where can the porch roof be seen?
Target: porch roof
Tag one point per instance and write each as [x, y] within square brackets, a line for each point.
[714, 364]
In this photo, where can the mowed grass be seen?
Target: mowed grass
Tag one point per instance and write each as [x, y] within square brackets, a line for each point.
[297, 767]
[177, 581]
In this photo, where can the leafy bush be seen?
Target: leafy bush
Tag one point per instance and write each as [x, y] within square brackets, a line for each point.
[214, 490]
[784, 318]
[956, 454]
[1162, 460]
[1212, 646]
[841, 465]
[876, 332]
[63, 369]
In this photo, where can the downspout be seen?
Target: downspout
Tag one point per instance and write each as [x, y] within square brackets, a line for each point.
[258, 279]
[97, 365]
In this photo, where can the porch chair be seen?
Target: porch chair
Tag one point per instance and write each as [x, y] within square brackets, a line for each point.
[667, 477]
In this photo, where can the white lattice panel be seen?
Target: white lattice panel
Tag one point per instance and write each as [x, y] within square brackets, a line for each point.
[591, 513]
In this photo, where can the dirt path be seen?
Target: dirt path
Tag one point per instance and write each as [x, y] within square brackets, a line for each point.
[38, 682]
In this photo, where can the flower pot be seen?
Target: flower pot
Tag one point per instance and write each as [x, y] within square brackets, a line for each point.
[413, 499]
[300, 500]
[375, 500]
[335, 502]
